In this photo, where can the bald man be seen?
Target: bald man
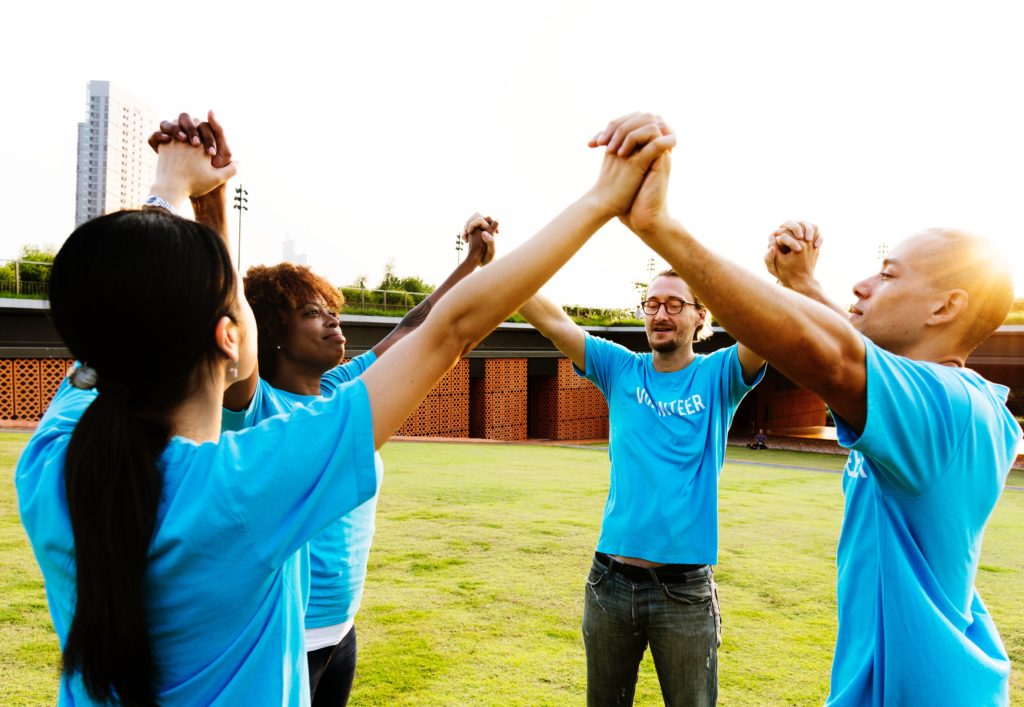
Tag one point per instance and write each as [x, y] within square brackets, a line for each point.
[932, 442]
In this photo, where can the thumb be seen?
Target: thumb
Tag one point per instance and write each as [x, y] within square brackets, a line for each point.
[656, 148]
[228, 171]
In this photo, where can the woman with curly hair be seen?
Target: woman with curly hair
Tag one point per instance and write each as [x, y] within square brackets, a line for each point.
[301, 349]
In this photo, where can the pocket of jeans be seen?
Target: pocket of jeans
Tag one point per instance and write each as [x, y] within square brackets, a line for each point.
[696, 591]
[596, 577]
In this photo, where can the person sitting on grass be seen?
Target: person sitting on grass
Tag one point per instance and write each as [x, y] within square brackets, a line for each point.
[760, 441]
[170, 551]
[931, 441]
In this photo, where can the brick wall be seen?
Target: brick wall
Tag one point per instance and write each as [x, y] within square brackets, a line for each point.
[498, 400]
[566, 406]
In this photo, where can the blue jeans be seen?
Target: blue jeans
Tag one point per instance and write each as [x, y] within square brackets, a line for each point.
[680, 620]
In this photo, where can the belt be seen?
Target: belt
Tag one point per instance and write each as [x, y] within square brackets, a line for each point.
[666, 574]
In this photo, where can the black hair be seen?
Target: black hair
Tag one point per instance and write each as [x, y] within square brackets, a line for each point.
[137, 296]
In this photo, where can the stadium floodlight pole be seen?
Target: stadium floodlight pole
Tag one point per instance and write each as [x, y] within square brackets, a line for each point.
[458, 249]
[241, 199]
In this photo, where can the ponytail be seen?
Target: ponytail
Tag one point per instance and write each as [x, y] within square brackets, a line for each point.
[113, 489]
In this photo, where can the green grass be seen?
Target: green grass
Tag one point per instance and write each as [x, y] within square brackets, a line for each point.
[475, 592]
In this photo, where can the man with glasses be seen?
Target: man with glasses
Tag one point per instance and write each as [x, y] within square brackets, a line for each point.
[651, 581]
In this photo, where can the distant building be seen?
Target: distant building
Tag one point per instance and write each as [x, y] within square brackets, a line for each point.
[289, 255]
[115, 165]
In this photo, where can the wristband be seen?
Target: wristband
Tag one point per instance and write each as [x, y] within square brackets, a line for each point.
[159, 202]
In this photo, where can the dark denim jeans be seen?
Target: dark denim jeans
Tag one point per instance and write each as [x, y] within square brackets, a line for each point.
[680, 621]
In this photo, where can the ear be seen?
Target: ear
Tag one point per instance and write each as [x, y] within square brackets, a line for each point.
[950, 306]
[228, 338]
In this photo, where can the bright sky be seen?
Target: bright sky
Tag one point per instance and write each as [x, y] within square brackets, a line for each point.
[370, 131]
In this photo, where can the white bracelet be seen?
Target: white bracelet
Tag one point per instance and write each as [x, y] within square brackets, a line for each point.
[159, 202]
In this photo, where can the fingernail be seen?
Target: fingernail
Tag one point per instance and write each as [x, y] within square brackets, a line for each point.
[212, 150]
[181, 134]
[195, 139]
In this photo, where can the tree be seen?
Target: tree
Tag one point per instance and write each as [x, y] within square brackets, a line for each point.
[30, 271]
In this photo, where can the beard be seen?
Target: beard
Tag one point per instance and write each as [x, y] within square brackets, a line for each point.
[664, 347]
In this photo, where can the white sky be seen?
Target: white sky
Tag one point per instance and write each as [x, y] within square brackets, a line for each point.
[370, 131]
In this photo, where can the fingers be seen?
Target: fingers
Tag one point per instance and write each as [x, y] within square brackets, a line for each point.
[801, 231]
[157, 139]
[655, 149]
[605, 135]
[475, 221]
[769, 261]
[787, 242]
[208, 138]
[635, 122]
[223, 155]
[187, 130]
[488, 254]
[637, 137]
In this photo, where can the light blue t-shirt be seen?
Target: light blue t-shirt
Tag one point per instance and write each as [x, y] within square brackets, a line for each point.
[334, 562]
[222, 581]
[920, 484]
[667, 444]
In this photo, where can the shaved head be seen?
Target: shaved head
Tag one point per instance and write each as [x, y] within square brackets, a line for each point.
[960, 260]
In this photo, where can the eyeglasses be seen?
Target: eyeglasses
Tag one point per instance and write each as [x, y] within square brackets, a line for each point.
[672, 305]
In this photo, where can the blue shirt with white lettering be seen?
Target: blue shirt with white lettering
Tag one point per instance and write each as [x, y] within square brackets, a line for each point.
[222, 580]
[920, 484]
[667, 445]
[334, 562]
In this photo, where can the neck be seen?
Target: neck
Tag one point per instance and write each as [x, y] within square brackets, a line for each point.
[671, 361]
[198, 418]
[297, 378]
[935, 350]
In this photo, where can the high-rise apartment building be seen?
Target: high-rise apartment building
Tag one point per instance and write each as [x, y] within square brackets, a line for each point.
[115, 165]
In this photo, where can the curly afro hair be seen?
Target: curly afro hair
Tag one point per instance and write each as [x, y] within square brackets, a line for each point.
[274, 291]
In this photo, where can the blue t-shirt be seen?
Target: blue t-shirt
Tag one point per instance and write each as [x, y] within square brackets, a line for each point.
[667, 444]
[334, 562]
[920, 484]
[222, 581]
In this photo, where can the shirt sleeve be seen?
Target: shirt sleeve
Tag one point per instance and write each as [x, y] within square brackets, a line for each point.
[346, 372]
[605, 360]
[735, 388]
[916, 420]
[293, 474]
[234, 420]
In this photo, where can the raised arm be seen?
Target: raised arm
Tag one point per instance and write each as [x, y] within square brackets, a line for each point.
[479, 231]
[476, 305]
[808, 342]
[552, 321]
[791, 257]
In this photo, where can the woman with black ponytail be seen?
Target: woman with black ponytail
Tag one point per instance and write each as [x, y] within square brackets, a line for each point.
[169, 551]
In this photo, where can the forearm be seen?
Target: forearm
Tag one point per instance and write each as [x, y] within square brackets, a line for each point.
[808, 342]
[552, 321]
[211, 210]
[507, 283]
[418, 314]
[810, 287]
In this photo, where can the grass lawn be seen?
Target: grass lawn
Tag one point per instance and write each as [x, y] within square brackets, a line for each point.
[475, 585]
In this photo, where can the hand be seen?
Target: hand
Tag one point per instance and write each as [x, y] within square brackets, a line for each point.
[479, 232]
[792, 252]
[209, 134]
[186, 171]
[633, 143]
